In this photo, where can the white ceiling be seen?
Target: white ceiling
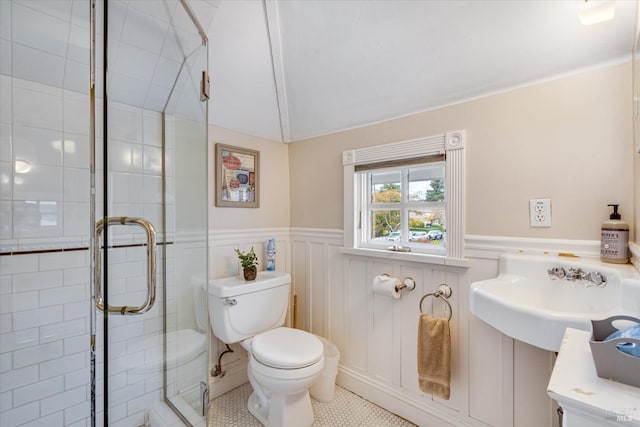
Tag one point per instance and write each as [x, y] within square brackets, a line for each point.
[340, 64]
[288, 70]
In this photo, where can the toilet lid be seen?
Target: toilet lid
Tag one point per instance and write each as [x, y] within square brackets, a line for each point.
[286, 348]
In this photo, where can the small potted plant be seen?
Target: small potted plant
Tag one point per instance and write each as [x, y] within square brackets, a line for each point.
[249, 262]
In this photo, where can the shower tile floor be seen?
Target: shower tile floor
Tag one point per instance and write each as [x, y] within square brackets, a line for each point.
[346, 409]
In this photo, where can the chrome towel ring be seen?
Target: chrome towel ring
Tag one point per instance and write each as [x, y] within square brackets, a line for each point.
[444, 292]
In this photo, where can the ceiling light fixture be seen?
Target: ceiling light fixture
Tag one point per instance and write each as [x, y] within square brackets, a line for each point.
[596, 11]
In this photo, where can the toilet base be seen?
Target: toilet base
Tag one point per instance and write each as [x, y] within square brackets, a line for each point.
[283, 411]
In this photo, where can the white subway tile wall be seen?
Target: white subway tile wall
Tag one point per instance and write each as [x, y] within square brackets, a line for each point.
[44, 308]
[45, 206]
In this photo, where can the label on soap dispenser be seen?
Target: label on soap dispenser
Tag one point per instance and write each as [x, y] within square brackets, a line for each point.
[613, 244]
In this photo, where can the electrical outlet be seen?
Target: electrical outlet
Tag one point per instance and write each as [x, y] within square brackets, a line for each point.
[540, 212]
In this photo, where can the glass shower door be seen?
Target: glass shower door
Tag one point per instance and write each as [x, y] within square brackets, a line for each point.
[149, 198]
[186, 221]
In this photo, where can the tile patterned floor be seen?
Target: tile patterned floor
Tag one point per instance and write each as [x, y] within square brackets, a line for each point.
[346, 409]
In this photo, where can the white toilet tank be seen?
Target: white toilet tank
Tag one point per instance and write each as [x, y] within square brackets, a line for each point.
[239, 309]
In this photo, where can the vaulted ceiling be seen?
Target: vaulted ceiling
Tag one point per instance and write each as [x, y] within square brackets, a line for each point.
[288, 70]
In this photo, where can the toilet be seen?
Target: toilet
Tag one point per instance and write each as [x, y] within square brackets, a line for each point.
[283, 362]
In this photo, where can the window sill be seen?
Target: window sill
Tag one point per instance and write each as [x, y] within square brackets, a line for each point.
[407, 256]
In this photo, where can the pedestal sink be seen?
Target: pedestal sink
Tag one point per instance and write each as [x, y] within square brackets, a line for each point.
[531, 304]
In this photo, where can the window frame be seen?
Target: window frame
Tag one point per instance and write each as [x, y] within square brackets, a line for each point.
[451, 144]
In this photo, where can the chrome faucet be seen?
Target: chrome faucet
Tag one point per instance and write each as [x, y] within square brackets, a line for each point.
[575, 274]
[557, 273]
[594, 278]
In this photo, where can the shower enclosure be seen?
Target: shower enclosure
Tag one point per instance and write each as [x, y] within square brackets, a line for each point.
[103, 212]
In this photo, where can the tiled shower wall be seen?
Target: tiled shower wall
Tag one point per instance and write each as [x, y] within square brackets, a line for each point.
[44, 256]
[44, 339]
[46, 130]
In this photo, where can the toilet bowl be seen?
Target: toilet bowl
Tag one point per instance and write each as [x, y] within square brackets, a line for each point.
[283, 362]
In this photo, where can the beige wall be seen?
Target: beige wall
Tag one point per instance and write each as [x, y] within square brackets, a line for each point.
[568, 139]
[274, 184]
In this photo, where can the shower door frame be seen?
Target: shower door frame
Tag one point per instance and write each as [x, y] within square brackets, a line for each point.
[99, 294]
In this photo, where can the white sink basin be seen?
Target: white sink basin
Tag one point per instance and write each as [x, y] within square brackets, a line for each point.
[524, 303]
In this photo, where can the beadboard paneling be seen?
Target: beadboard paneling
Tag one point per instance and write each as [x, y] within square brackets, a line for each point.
[376, 335]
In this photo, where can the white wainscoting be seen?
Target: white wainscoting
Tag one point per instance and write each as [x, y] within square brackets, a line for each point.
[377, 335]
[223, 262]
[496, 381]
[381, 332]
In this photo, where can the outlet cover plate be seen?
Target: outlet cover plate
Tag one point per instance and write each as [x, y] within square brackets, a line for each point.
[540, 212]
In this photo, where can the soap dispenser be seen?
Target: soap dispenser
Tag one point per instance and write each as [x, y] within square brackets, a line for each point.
[614, 239]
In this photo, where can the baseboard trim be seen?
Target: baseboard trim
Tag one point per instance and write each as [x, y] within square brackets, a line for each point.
[420, 411]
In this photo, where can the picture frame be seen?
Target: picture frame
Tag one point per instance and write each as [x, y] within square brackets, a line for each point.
[237, 178]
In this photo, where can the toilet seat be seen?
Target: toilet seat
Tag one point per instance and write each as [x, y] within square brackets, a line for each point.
[287, 348]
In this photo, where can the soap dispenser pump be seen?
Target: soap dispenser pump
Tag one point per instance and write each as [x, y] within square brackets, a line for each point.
[614, 239]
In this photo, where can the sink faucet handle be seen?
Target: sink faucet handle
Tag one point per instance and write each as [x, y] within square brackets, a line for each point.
[596, 279]
[557, 273]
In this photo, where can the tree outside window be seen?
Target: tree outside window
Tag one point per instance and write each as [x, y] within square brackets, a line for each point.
[415, 215]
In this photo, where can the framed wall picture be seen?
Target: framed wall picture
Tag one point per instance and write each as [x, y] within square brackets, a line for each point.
[237, 177]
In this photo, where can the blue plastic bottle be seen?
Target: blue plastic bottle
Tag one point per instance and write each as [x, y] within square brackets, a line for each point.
[271, 255]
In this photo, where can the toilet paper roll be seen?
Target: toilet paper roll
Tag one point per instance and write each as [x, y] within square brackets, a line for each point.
[387, 286]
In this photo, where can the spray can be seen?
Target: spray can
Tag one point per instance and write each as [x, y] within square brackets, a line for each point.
[271, 255]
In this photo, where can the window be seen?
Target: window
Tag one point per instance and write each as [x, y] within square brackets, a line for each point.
[407, 194]
[404, 206]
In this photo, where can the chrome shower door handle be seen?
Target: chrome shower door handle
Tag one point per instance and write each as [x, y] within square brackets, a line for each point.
[151, 265]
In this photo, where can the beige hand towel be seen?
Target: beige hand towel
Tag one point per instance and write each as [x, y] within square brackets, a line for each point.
[434, 356]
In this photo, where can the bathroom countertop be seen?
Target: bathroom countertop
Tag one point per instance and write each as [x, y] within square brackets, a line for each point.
[577, 388]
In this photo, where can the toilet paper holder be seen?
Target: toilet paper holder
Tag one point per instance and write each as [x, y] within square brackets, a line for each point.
[406, 283]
